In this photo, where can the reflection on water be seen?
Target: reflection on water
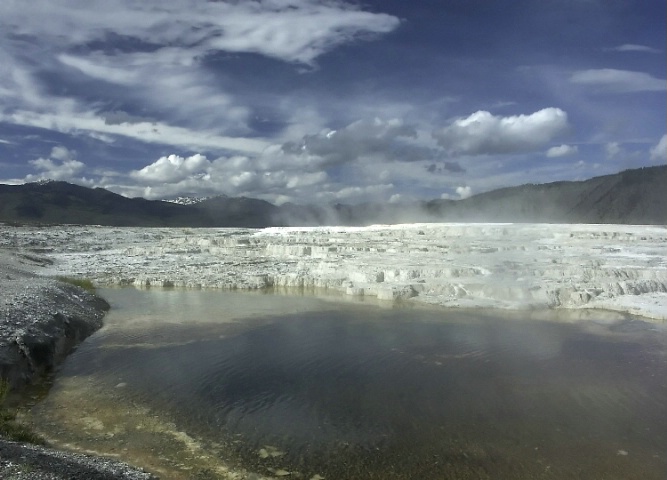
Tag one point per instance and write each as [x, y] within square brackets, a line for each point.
[212, 385]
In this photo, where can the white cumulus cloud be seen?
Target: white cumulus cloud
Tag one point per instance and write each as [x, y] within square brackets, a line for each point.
[61, 164]
[619, 81]
[464, 192]
[61, 153]
[174, 175]
[485, 133]
[66, 169]
[562, 151]
[659, 151]
[171, 169]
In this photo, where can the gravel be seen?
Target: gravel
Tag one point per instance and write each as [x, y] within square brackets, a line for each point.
[23, 461]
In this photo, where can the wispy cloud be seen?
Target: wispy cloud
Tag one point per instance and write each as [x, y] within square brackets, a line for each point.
[290, 30]
[150, 54]
[612, 149]
[329, 100]
[619, 81]
[632, 47]
[89, 122]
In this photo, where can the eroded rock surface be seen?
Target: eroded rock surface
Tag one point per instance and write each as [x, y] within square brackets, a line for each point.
[41, 320]
[616, 267]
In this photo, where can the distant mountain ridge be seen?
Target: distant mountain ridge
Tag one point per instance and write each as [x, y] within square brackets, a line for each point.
[636, 196]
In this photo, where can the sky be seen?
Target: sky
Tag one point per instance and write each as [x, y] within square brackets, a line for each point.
[321, 102]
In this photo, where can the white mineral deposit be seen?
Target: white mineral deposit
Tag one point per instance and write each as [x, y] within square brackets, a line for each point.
[510, 266]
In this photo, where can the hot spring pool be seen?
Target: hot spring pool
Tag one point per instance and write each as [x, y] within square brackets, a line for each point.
[206, 384]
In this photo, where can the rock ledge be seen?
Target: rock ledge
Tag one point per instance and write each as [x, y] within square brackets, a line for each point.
[41, 321]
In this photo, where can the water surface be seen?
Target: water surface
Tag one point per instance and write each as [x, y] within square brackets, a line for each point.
[197, 384]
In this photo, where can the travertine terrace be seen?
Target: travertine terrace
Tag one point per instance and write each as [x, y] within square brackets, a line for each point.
[613, 267]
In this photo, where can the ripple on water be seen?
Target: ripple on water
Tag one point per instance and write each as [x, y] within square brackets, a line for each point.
[347, 391]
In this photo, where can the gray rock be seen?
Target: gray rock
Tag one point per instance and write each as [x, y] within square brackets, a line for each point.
[30, 462]
[41, 321]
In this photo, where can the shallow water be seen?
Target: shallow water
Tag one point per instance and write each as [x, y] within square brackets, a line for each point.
[197, 384]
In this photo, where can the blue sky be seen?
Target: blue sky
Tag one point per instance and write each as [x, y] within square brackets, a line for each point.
[329, 101]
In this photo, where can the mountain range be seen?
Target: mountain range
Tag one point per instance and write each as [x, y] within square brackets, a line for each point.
[637, 196]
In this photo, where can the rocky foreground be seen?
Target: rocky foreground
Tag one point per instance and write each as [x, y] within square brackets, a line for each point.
[524, 266]
[512, 266]
[41, 321]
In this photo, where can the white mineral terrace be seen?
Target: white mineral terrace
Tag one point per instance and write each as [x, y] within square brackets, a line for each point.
[613, 267]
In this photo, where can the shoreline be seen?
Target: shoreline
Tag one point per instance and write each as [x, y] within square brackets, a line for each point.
[620, 268]
[41, 321]
[530, 267]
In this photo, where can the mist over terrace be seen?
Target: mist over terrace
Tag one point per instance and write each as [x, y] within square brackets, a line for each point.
[507, 266]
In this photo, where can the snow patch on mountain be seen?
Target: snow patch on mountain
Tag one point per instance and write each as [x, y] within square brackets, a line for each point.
[187, 200]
